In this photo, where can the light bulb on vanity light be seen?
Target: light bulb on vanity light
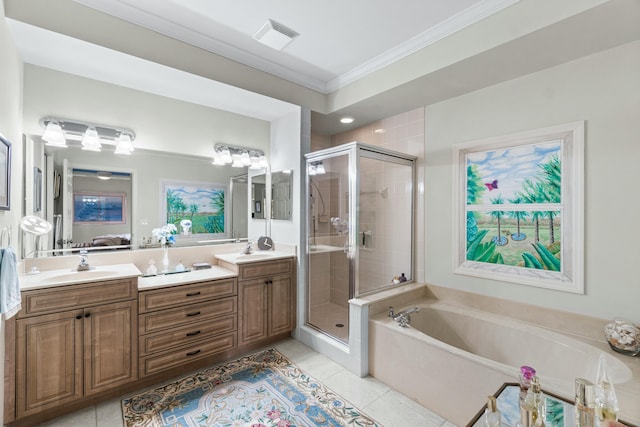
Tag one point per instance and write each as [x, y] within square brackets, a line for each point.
[53, 135]
[124, 144]
[91, 139]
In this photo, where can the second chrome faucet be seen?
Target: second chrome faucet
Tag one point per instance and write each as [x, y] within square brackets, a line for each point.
[403, 318]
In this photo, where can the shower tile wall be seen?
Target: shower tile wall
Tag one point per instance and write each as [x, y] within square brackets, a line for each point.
[404, 133]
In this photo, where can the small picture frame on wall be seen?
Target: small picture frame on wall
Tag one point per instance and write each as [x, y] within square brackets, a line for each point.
[5, 174]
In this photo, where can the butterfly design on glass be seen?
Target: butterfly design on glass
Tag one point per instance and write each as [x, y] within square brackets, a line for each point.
[492, 185]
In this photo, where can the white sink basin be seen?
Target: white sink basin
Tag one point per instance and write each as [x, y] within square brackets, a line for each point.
[80, 275]
[70, 276]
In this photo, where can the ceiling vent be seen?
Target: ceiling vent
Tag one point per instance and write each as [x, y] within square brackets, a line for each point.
[275, 35]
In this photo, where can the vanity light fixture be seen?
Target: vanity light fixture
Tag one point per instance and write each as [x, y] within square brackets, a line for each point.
[58, 132]
[239, 157]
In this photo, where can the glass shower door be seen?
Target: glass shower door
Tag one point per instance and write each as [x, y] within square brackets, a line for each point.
[329, 269]
[359, 229]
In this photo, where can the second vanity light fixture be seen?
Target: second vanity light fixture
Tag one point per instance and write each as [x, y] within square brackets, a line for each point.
[239, 157]
[92, 136]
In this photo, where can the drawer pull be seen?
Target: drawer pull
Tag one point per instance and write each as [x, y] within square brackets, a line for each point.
[193, 314]
[193, 353]
[193, 294]
[191, 334]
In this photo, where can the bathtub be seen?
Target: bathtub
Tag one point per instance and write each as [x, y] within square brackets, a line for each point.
[451, 358]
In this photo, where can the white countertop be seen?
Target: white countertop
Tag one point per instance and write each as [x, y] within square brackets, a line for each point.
[213, 273]
[255, 256]
[68, 276]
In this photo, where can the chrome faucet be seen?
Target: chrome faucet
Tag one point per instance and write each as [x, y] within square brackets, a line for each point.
[83, 265]
[249, 249]
[403, 318]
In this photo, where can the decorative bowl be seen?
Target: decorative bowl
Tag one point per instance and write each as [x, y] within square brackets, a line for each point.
[623, 336]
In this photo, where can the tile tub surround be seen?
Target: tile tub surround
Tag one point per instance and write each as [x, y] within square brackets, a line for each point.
[583, 328]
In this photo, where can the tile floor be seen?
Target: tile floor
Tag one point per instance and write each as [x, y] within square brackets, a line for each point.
[388, 407]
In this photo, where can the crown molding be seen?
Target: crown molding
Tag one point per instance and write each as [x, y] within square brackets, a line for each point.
[434, 34]
[166, 27]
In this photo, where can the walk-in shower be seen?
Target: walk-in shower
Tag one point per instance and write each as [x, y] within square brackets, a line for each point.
[360, 238]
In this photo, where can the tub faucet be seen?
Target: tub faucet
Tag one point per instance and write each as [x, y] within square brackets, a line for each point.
[403, 318]
[83, 264]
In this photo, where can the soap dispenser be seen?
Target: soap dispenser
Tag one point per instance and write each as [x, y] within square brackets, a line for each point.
[492, 414]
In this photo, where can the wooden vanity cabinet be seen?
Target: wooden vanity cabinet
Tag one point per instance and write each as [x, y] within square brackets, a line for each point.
[267, 304]
[74, 341]
[182, 324]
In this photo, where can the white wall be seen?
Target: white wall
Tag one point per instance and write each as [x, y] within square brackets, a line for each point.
[602, 89]
[285, 154]
[11, 128]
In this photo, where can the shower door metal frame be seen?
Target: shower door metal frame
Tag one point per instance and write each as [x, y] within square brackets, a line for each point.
[354, 150]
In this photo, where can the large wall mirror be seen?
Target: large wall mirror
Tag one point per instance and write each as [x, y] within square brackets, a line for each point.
[103, 201]
[281, 187]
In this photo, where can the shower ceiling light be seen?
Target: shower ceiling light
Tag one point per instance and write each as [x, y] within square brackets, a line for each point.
[346, 120]
[317, 168]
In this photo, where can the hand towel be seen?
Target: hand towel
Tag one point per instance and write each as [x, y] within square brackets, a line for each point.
[9, 285]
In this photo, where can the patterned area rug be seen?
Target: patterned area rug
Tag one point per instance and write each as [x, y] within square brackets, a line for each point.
[260, 390]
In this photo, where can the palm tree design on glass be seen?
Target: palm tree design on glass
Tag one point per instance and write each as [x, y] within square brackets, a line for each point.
[519, 216]
[509, 192]
[499, 240]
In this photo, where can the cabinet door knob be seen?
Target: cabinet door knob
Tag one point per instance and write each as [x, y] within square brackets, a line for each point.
[79, 316]
[193, 353]
[193, 314]
[87, 315]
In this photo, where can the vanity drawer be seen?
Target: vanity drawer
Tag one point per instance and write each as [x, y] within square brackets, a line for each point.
[267, 268]
[185, 336]
[186, 294]
[164, 361]
[68, 297]
[187, 315]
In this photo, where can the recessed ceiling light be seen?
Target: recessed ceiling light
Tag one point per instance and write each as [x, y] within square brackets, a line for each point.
[346, 120]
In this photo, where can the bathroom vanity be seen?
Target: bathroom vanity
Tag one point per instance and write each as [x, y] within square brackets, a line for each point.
[83, 337]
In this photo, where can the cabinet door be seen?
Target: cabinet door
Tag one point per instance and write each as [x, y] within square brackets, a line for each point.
[280, 305]
[253, 310]
[110, 351]
[49, 361]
